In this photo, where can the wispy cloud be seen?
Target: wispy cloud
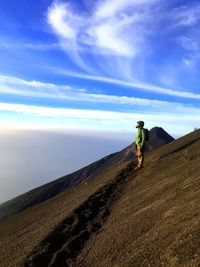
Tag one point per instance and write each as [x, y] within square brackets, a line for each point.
[120, 43]
[108, 8]
[99, 120]
[63, 22]
[171, 114]
[106, 30]
[68, 25]
[36, 84]
[186, 15]
[121, 39]
[41, 46]
[120, 26]
[188, 43]
[186, 18]
[135, 85]
[110, 30]
[15, 86]
[9, 43]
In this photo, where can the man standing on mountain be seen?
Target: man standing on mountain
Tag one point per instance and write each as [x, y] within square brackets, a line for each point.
[140, 144]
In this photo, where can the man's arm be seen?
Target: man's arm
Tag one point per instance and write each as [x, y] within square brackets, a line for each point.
[143, 138]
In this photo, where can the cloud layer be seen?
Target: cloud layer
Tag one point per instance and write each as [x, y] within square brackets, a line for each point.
[20, 172]
[175, 119]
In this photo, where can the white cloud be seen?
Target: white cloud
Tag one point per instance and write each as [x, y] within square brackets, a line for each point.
[69, 28]
[118, 39]
[64, 112]
[108, 8]
[15, 86]
[64, 118]
[107, 36]
[119, 26]
[188, 62]
[110, 29]
[12, 44]
[188, 43]
[7, 80]
[61, 18]
[186, 15]
[135, 85]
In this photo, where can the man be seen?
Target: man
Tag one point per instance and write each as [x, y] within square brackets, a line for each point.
[140, 145]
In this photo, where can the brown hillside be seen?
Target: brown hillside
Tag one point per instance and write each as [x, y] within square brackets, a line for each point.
[120, 218]
[156, 222]
[158, 137]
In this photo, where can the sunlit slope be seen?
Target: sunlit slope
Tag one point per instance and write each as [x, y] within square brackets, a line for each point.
[156, 220]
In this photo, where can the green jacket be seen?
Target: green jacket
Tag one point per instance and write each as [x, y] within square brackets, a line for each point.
[140, 138]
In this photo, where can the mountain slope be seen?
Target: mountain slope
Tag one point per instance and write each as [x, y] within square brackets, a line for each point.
[158, 137]
[156, 220]
[120, 218]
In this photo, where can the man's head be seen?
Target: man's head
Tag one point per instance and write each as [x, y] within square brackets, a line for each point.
[140, 124]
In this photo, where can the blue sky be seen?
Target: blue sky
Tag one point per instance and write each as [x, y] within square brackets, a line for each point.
[100, 65]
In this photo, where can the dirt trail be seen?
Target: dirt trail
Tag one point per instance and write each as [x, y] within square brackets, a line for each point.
[63, 244]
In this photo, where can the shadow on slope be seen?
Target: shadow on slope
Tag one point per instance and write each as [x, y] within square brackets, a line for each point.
[63, 244]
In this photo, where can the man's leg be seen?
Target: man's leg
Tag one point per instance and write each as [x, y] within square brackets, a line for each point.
[140, 156]
[136, 156]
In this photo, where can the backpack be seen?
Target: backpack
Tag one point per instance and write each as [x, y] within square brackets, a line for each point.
[146, 134]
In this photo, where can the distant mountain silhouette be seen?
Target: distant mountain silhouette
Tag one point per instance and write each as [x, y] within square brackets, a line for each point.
[120, 217]
[157, 138]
